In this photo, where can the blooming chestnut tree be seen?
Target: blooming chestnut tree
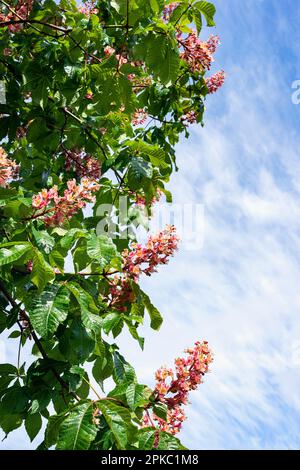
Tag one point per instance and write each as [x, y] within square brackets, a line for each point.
[97, 96]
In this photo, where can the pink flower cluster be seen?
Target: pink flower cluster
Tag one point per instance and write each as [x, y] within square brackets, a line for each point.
[88, 8]
[189, 118]
[168, 10]
[121, 293]
[83, 164]
[139, 260]
[142, 202]
[139, 117]
[173, 386]
[108, 51]
[214, 82]
[139, 82]
[8, 169]
[64, 207]
[196, 53]
[144, 259]
[21, 11]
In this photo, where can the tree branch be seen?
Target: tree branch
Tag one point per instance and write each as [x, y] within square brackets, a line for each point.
[30, 22]
[25, 317]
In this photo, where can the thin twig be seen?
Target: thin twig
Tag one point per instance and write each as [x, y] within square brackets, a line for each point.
[25, 317]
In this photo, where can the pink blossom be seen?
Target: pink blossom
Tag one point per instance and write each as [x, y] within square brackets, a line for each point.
[140, 260]
[82, 163]
[196, 53]
[173, 386]
[64, 207]
[139, 117]
[189, 118]
[212, 43]
[214, 82]
[21, 10]
[145, 259]
[120, 293]
[121, 59]
[108, 51]
[142, 202]
[89, 95]
[9, 170]
[168, 10]
[88, 8]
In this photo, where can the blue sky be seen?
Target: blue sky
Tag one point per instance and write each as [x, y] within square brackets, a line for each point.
[240, 291]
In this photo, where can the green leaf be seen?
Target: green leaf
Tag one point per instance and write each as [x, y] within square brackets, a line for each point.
[138, 170]
[169, 442]
[43, 240]
[56, 259]
[155, 6]
[169, 65]
[52, 429]
[10, 422]
[2, 321]
[14, 401]
[10, 252]
[208, 10]
[111, 322]
[87, 305]
[76, 344]
[33, 424]
[49, 309]
[155, 316]
[119, 5]
[8, 373]
[123, 371]
[161, 410]
[146, 438]
[103, 366]
[42, 272]
[102, 249]
[137, 395]
[78, 430]
[119, 421]
[163, 58]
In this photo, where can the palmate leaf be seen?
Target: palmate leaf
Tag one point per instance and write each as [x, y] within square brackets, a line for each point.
[78, 430]
[208, 10]
[10, 252]
[49, 309]
[118, 419]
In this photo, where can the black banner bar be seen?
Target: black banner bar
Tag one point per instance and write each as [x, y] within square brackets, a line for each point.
[134, 459]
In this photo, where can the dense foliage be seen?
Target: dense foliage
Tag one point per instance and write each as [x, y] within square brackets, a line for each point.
[96, 98]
